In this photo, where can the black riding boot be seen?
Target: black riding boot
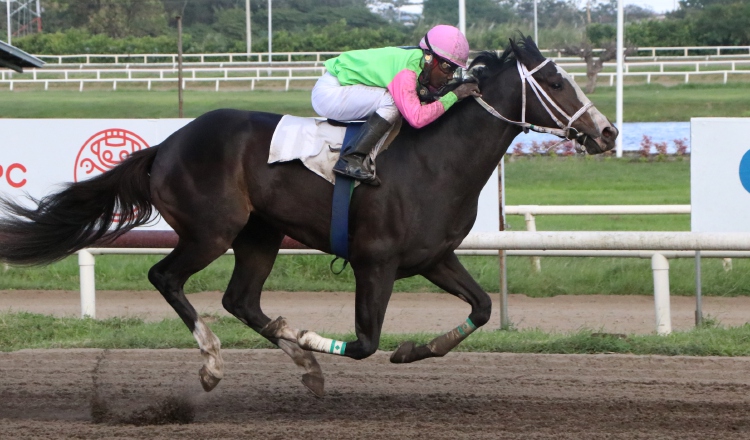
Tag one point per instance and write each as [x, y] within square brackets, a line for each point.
[352, 163]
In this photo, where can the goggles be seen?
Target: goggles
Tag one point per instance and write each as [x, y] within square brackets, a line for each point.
[446, 67]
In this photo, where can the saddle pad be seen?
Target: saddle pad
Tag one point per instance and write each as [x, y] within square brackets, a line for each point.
[316, 143]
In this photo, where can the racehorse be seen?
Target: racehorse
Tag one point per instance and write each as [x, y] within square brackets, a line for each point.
[211, 182]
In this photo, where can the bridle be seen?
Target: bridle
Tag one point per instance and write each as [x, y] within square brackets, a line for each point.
[567, 132]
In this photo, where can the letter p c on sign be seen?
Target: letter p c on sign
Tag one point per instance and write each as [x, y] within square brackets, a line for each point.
[13, 175]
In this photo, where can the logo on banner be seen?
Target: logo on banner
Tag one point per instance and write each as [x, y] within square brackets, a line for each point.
[104, 150]
[745, 171]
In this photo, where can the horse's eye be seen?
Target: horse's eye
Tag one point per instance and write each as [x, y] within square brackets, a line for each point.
[556, 86]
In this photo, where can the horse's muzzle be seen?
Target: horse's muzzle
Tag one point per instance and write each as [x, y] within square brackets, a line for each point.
[602, 143]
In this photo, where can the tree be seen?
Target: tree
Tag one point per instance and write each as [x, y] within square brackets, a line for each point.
[723, 24]
[122, 18]
[115, 18]
[594, 64]
[601, 36]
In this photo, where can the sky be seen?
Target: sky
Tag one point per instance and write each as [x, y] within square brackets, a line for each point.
[656, 5]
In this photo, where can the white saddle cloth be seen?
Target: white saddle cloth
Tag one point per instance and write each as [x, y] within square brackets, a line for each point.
[315, 142]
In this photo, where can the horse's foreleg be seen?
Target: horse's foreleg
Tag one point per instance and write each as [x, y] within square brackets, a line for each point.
[374, 287]
[255, 251]
[451, 276]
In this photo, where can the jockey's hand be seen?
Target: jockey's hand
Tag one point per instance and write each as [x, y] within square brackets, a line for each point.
[467, 89]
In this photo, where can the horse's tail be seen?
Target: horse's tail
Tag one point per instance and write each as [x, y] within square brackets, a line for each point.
[79, 215]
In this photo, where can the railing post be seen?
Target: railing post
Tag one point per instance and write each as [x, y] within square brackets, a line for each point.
[88, 287]
[536, 263]
[698, 291]
[660, 267]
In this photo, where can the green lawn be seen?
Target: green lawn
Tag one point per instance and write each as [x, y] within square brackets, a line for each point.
[28, 331]
[642, 103]
[144, 104]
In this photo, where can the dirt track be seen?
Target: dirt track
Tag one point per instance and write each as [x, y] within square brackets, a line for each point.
[47, 394]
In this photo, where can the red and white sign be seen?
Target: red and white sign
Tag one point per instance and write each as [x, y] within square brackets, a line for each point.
[104, 150]
[37, 156]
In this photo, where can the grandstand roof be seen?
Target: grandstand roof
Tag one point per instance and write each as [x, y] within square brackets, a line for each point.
[16, 59]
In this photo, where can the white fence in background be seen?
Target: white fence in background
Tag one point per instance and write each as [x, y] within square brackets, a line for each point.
[286, 75]
[149, 77]
[201, 58]
[320, 57]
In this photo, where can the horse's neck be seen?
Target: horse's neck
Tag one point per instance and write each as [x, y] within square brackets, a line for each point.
[475, 141]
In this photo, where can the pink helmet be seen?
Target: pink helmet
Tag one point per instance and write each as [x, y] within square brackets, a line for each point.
[448, 43]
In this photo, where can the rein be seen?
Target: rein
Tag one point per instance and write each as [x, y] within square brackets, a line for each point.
[564, 131]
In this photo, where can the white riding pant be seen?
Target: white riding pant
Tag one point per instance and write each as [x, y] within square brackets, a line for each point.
[348, 103]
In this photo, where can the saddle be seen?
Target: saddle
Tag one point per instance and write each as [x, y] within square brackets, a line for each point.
[317, 142]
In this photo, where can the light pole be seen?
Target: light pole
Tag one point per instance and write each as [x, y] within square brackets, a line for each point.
[620, 59]
[462, 16]
[7, 7]
[247, 28]
[270, 40]
[536, 33]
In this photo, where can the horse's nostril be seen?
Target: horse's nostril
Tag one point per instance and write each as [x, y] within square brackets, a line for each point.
[609, 132]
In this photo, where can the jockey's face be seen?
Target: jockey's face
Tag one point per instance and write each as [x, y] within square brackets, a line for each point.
[441, 72]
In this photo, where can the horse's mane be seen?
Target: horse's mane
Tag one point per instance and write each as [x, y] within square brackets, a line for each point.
[494, 64]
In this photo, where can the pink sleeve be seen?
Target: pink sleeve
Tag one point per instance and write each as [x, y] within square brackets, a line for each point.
[403, 88]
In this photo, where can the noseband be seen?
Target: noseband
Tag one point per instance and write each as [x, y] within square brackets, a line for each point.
[564, 131]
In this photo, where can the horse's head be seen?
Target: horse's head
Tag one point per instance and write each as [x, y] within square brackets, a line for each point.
[549, 96]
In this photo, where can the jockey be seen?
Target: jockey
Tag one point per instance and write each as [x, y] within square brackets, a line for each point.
[381, 85]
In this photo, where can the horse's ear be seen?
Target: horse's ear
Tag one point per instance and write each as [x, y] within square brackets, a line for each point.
[476, 71]
[517, 51]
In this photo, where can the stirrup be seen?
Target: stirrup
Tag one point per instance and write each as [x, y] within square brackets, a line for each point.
[358, 174]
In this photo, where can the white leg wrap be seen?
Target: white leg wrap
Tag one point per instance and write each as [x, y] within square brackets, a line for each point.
[314, 342]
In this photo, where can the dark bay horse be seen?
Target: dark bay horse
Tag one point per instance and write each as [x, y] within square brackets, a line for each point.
[211, 183]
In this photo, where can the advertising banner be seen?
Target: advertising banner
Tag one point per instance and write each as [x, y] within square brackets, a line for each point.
[37, 156]
[720, 174]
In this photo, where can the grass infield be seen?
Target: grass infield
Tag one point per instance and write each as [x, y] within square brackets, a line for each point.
[29, 331]
[642, 103]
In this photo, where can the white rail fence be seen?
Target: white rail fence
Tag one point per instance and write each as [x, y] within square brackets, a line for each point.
[215, 76]
[703, 52]
[657, 246]
[151, 74]
[530, 211]
[200, 58]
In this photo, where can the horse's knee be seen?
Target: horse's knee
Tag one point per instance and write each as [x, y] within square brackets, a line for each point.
[230, 305]
[157, 279]
[361, 349]
[251, 315]
[481, 315]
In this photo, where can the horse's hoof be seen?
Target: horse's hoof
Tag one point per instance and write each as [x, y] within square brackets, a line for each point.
[403, 352]
[314, 383]
[208, 380]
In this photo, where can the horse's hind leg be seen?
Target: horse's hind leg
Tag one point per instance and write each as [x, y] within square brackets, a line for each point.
[169, 276]
[255, 250]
